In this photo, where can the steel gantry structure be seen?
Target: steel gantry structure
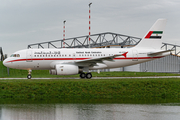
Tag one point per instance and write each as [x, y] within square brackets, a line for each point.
[97, 40]
[175, 48]
[100, 40]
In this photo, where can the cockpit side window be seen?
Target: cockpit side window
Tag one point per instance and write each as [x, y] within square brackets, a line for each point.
[15, 55]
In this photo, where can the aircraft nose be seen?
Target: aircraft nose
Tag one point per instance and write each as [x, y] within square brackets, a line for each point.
[5, 63]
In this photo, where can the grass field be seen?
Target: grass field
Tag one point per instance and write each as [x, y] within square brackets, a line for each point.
[92, 89]
[114, 89]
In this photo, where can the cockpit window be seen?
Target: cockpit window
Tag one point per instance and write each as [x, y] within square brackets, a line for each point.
[15, 55]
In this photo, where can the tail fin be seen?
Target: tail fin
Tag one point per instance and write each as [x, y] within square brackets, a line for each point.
[153, 39]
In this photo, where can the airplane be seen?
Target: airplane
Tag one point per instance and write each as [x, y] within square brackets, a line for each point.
[71, 61]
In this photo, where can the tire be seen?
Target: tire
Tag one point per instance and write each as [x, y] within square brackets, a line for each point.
[88, 75]
[29, 76]
[82, 75]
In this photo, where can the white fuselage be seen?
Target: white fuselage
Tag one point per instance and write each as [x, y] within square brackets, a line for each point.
[41, 59]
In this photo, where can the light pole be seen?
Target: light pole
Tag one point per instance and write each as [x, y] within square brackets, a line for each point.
[64, 34]
[89, 24]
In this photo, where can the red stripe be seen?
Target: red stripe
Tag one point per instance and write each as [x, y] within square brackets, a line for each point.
[149, 34]
[36, 59]
[138, 58]
[124, 54]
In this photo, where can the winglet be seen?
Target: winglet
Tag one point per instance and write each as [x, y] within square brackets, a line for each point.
[124, 54]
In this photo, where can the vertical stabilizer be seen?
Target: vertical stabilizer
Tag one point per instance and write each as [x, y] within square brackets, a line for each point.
[153, 39]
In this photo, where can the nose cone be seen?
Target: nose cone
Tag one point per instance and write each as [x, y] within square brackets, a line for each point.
[6, 63]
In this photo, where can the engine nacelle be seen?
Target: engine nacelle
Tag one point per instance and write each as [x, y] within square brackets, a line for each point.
[63, 69]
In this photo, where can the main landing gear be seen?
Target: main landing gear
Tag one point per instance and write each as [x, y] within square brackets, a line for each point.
[29, 74]
[87, 75]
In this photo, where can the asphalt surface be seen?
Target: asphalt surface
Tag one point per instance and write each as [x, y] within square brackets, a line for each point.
[97, 78]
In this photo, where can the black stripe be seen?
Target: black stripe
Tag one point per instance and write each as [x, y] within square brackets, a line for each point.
[157, 37]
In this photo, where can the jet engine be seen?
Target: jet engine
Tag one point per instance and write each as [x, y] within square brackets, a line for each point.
[64, 69]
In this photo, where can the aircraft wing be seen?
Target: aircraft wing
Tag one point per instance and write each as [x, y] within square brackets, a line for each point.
[158, 53]
[92, 62]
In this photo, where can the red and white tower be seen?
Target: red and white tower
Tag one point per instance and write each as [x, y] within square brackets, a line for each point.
[89, 24]
[64, 34]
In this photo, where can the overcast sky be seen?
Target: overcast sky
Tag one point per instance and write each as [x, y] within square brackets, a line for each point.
[24, 22]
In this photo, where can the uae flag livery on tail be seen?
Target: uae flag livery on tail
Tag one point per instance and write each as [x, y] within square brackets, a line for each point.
[154, 35]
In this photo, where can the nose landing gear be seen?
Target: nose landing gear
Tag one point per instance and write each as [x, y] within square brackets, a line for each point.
[29, 74]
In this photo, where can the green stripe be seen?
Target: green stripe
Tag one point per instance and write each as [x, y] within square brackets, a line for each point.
[157, 32]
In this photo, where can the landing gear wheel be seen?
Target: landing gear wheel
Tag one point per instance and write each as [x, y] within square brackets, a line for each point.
[82, 75]
[29, 76]
[88, 75]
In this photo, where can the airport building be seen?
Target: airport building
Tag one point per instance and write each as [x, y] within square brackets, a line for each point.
[107, 40]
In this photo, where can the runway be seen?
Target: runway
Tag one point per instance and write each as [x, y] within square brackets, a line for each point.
[92, 78]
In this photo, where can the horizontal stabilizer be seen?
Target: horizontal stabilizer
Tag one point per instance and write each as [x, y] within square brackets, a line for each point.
[157, 53]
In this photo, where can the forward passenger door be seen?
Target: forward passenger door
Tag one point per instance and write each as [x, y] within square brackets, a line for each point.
[29, 56]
